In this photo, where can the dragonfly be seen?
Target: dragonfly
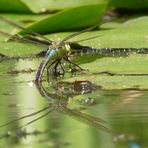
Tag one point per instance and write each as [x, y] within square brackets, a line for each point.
[55, 50]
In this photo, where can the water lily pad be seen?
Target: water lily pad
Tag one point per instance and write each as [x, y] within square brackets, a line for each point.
[117, 72]
[130, 34]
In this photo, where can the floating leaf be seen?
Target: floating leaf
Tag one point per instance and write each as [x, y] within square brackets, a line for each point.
[130, 34]
[117, 72]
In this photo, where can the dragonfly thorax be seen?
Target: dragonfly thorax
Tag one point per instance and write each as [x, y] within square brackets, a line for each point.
[63, 49]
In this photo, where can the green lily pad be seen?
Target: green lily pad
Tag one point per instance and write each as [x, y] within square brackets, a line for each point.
[117, 72]
[130, 34]
[15, 49]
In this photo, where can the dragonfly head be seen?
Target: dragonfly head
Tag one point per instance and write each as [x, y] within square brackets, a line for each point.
[62, 48]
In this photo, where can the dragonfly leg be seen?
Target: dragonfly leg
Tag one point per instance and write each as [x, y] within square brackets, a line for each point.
[57, 72]
[48, 69]
[71, 63]
[54, 69]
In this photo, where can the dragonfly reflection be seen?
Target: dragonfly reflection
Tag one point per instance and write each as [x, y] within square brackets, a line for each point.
[56, 103]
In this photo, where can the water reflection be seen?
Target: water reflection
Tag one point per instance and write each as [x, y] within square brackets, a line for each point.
[23, 94]
[61, 105]
[125, 112]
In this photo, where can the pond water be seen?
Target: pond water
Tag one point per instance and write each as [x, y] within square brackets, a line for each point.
[125, 113]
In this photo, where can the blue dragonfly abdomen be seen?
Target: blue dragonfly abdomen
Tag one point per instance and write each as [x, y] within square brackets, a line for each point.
[50, 55]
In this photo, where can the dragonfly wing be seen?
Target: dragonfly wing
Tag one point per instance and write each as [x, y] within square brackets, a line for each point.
[24, 29]
[38, 118]
[40, 53]
[87, 119]
[33, 38]
[22, 39]
[80, 32]
[26, 116]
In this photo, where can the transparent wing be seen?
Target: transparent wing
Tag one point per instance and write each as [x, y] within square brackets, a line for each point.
[87, 119]
[24, 29]
[26, 116]
[21, 39]
[80, 32]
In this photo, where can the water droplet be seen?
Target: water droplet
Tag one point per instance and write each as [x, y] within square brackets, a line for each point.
[31, 83]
